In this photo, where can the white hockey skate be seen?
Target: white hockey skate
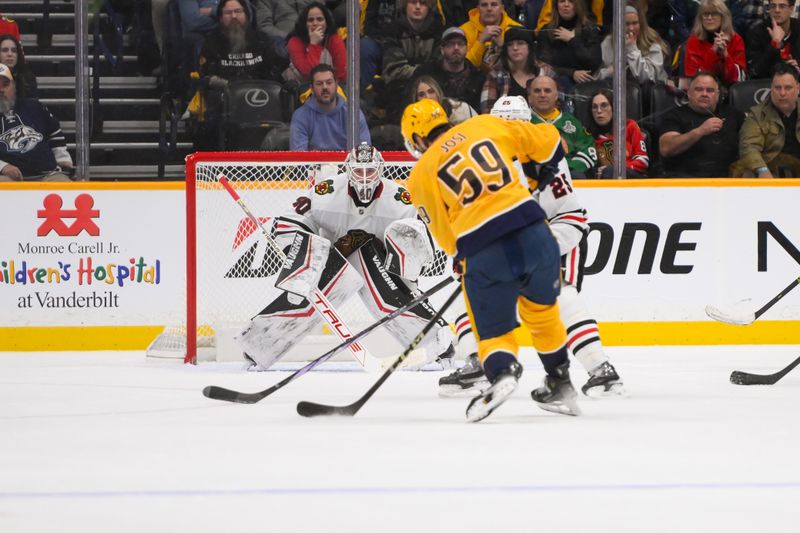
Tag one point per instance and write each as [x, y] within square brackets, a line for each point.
[504, 386]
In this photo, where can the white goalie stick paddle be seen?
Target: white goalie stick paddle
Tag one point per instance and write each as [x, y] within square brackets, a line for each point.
[733, 315]
[317, 299]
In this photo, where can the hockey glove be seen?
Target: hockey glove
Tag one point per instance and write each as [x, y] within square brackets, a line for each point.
[352, 241]
[543, 176]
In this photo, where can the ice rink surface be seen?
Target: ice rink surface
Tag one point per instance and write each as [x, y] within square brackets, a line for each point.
[108, 442]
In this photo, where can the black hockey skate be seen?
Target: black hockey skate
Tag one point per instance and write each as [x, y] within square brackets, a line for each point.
[467, 380]
[603, 382]
[504, 386]
[557, 393]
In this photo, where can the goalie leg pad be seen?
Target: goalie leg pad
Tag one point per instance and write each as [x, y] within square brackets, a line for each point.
[288, 318]
[408, 248]
[305, 260]
[384, 292]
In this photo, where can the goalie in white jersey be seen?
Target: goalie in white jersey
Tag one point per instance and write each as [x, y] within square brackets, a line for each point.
[569, 224]
[378, 248]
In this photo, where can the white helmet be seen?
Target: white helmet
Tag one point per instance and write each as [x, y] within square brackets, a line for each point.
[364, 166]
[512, 108]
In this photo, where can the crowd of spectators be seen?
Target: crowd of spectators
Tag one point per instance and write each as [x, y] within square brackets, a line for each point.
[557, 54]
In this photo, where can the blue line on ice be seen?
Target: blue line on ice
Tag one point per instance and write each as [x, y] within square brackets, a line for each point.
[333, 491]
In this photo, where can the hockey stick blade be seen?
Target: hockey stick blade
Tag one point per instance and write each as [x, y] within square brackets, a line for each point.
[311, 409]
[227, 395]
[732, 316]
[739, 377]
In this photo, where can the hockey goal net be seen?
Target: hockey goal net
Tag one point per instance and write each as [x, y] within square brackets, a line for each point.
[230, 270]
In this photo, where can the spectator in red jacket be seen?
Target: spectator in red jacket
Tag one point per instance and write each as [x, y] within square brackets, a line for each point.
[313, 41]
[10, 26]
[600, 124]
[714, 46]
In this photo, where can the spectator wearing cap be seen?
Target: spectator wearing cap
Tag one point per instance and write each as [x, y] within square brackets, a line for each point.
[484, 30]
[458, 78]
[515, 70]
[32, 146]
[411, 40]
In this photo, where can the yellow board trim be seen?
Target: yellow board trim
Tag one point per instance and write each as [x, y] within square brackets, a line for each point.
[71, 338]
[690, 333]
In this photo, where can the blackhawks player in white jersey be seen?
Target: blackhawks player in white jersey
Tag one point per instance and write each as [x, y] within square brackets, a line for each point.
[569, 225]
[366, 219]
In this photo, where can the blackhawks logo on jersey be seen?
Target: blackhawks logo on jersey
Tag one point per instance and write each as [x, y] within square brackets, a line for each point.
[324, 187]
[403, 196]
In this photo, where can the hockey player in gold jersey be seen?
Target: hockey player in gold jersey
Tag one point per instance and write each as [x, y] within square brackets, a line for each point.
[467, 191]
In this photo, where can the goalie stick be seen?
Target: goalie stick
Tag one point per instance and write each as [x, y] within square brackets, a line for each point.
[311, 409]
[317, 299]
[228, 395]
[746, 378]
[738, 318]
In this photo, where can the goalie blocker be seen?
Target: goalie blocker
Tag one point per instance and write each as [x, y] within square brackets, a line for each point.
[288, 318]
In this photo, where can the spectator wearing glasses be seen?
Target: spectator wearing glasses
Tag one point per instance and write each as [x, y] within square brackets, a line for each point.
[234, 51]
[774, 40]
[11, 55]
[700, 139]
[600, 126]
[714, 46]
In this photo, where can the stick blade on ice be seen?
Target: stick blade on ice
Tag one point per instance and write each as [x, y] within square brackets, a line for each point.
[730, 315]
[311, 410]
[745, 378]
[221, 393]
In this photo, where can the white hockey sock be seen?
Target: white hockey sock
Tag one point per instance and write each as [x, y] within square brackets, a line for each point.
[583, 335]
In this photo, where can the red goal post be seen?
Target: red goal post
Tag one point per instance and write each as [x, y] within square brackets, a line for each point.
[230, 271]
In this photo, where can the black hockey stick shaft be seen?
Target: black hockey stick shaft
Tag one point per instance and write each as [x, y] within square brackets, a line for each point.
[228, 395]
[780, 295]
[746, 378]
[311, 409]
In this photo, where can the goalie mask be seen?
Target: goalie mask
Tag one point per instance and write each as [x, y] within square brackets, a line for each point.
[512, 108]
[364, 166]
